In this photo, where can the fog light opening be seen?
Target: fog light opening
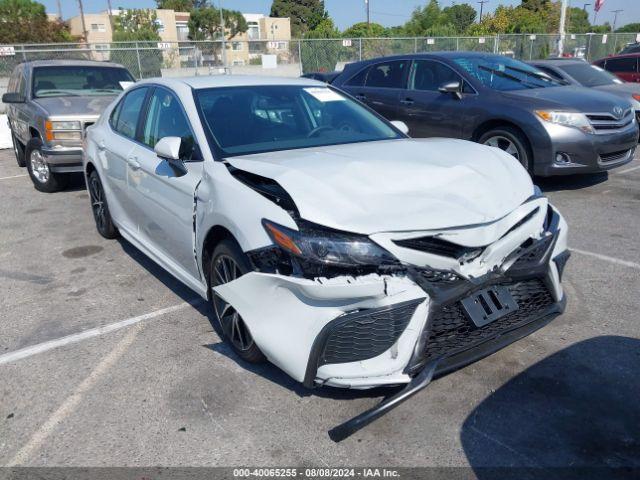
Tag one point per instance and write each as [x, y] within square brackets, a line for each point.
[562, 158]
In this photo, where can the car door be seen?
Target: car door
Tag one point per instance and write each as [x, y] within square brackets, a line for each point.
[626, 68]
[429, 112]
[18, 113]
[118, 148]
[164, 194]
[380, 86]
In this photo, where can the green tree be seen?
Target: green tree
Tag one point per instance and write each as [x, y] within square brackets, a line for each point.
[428, 20]
[181, 5]
[629, 28]
[304, 15]
[325, 29]
[25, 21]
[364, 29]
[578, 21]
[535, 5]
[204, 23]
[140, 26]
[460, 16]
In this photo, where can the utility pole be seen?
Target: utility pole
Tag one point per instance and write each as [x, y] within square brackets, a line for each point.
[563, 22]
[59, 10]
[482, 2]
[224, 40]
[366, 2]
[584, 7]
[84, 25]
[110, 16]
[615, 18]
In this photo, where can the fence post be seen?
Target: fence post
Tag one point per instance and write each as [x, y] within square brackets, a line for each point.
[360, 49]
[24, 55]
[300, 56]
[195, 60]
[457, 44]
[496, 44]
[139, 64]
[415, 45]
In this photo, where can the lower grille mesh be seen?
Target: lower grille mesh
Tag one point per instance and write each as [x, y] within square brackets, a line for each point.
[450, 331]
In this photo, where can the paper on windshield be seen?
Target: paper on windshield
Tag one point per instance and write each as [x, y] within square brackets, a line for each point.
[324, 94]
[126, 85]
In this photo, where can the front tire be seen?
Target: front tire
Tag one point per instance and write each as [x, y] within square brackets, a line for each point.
[511, 141]
[18, 150]
[44, 180]
[228, 263]
[100, 208]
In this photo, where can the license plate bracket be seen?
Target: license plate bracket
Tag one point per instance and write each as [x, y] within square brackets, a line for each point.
[488, 305]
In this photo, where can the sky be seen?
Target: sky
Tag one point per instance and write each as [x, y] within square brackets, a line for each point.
[348, 12]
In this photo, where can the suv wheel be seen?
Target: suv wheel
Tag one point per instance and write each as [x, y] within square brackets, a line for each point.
[99, 206]
[511, 141]
[18, 149]
[228, 263]
[44, 180]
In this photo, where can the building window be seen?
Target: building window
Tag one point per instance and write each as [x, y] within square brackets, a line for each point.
[100, 46]
[236, 46]
[281, 46]
[160, 25]
[238, 63]
[253, 32]
[182, 29]
[98, 27]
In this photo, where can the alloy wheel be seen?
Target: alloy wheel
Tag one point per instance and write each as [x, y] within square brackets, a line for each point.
[503, 143]
[225, 270]
[97, 203]
[39, 167]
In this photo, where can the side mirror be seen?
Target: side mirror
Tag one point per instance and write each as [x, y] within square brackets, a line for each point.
[451, 88]
[168, 148]
[13, 97]
[400, 125]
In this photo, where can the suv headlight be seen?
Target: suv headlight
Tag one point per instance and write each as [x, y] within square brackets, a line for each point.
[328, 247]
[567, 119]
[62, 130]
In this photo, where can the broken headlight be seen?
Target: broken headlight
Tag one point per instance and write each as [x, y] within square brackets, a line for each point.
[323, 246]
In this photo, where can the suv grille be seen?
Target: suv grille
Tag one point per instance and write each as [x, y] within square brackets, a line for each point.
[367, 333]
[606, 122]
[450, 331]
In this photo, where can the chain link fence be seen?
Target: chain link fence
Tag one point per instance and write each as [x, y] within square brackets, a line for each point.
[294, 57]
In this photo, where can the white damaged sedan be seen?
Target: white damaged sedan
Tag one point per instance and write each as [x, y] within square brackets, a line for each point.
[328, 242]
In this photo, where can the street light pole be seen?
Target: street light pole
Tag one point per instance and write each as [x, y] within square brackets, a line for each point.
[584, 7]
[366, 2]
[224, 41]
[615, 18]
[563, 21]
[84, 25]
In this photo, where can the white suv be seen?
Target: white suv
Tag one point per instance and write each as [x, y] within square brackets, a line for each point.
[328, 241]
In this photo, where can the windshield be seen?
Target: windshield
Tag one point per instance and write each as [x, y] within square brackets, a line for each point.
[504, 74]
[61, 81]
[258, 119]
[590, 75]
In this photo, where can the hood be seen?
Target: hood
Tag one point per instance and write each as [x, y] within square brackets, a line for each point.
[90, 105]
[396, 185]
[580, 99]
[623, 90]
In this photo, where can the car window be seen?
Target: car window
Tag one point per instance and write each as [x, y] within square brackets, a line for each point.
[387, 75]
[590, 75]
[358, 79]
[622, 64]
[165, 118]
[127, 119]
[11, 86]
[78, 80]
[634, 48]
[430, 76]
[549, 71]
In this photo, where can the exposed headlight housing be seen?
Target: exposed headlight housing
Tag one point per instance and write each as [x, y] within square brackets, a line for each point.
[567, 119]
[327, 247]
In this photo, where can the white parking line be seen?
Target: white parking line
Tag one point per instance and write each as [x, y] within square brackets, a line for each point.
[14, 176]
[93, 332]
[606, 258]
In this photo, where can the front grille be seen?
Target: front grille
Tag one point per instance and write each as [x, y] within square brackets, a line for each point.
[367, 333]
[450, 331]
[531, 252]
[615, 156]
[606, 122]
[438, 246]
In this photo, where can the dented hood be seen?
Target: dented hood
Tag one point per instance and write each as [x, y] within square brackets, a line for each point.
[396, 185]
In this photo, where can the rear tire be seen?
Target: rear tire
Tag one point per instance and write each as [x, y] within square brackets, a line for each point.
[44, 180]
[100, 208]
[228, 262]
[511, 141]
[18, 150]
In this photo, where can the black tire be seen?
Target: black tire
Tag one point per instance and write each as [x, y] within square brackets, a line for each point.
[504, 135]
[44, 180]
[233, 328]
[100, 208]
[18, 150]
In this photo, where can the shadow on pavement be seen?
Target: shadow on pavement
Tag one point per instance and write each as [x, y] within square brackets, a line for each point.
[570, 182]
[578, 408]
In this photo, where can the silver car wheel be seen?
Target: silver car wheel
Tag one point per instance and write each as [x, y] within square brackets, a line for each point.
[503, 143]
[225, 270]
[39, 167]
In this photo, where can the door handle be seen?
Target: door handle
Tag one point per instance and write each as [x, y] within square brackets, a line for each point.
[407, 101]
[101, 145]
[133, 163]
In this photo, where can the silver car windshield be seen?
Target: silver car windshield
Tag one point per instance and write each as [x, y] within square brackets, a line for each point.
[68, 80]
[258, 119]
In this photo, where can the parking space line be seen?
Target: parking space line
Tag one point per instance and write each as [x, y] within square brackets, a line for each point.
[628, 170]
[14, 176]
[93, 332]
[72, 401]
[606, 258]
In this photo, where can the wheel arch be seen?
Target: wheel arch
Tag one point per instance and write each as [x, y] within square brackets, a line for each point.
[214, 236]
[497, 123]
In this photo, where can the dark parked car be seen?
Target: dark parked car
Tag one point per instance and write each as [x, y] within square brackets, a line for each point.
[579, 72]
[326, 77]
[550, 128]
[624, 66]
[630, 48]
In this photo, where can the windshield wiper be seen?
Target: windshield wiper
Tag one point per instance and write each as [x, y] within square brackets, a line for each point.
[44, 93]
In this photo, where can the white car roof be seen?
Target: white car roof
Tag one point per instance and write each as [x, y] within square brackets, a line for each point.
[212, 81]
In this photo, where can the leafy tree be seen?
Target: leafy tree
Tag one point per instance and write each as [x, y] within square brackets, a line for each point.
[325, 29]
[364, 29]
[460, 16]
[204, 23]
[25, 21]
[535, 5]
[424, 19]
[629, 28]
[578, 21]
[305, 15]
[138, 25]
[181, 5]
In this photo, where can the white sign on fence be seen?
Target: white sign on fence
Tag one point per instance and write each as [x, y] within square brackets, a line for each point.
[637, 37]
[431, 41]
[604, 38]
[532, 37]
[8, 51]
[346, 42]
[481, 40]
[164, 45]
